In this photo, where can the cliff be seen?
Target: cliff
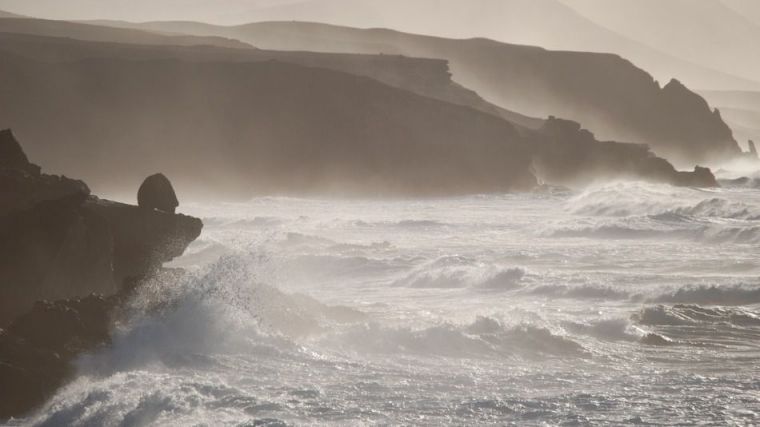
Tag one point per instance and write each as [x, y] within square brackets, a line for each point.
[261, 127]
[603, 91]
[277, 126]
[58, 242]
[572, 155]
[66, 41]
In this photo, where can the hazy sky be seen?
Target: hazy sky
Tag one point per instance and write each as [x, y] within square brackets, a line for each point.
[709, 44]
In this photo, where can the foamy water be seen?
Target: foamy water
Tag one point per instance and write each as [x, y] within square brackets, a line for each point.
[629, 303]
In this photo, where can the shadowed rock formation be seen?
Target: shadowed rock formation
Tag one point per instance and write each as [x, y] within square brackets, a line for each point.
[572, 155]
[156, 192]
[57, 241]
[37, 348]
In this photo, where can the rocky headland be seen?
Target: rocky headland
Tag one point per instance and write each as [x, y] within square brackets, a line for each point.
[67, 260]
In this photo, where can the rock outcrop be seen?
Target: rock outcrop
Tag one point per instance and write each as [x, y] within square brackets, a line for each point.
[58, 242]
[752, 148]
[569, 154]
[37, 349]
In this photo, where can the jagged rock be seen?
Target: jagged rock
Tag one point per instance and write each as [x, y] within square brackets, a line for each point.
[37, 349]
[752, 148]
[569, 154]
[156, 192]
[12, 156]
[143, 239]
[23, 186]
[58, 242]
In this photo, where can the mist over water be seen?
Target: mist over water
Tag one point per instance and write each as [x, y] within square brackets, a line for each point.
[625, 303]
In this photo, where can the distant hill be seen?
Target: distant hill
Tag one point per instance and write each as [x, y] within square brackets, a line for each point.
[553, 24]
[42, 27]
[604, 92]
[230, 127]
[4, 14]
[429, 77]
[235, 129]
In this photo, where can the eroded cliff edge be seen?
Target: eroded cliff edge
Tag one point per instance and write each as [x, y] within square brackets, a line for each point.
[60, 243]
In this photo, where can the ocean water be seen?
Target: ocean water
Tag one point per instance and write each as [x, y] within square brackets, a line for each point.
[627, 303]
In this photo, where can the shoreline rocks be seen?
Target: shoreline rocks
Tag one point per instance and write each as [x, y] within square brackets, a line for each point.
[59, 243]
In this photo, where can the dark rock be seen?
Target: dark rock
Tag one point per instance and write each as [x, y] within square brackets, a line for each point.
[23, 186]
[143, 239]
[156, 192]
[752, 148]
[568, 154]
[57, 242]
[700, 177]
[37, 349]
[12, 156]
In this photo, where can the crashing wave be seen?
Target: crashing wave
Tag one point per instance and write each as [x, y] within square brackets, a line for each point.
[485, 337]
[689, 314]
[712, 295]
[461, 272]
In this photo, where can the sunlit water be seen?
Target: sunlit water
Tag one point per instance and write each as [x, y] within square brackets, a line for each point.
[629, 303]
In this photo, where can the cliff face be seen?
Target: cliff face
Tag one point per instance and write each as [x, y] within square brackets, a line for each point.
[58, 247]
[278, 126]
[604, 92]
[58, 242]
[261, 127]
[572, 155]
[67, 41]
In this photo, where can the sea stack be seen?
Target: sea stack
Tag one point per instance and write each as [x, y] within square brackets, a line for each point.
[156, 192]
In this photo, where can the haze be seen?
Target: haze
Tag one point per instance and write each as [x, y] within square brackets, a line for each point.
[708, 44]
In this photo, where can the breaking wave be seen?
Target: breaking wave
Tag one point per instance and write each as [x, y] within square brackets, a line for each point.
[712, 295]
[485, 337]
[461, 272]
[689, 314]
[638, 199]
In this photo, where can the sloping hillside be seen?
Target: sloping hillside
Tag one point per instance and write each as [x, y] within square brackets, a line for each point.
[42, 27]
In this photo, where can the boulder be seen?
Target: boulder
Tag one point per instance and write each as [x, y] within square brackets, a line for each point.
[156, 192]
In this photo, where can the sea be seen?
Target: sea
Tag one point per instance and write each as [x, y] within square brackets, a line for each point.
[624, 303]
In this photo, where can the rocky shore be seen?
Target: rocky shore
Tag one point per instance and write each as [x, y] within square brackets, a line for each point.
[68, 260]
